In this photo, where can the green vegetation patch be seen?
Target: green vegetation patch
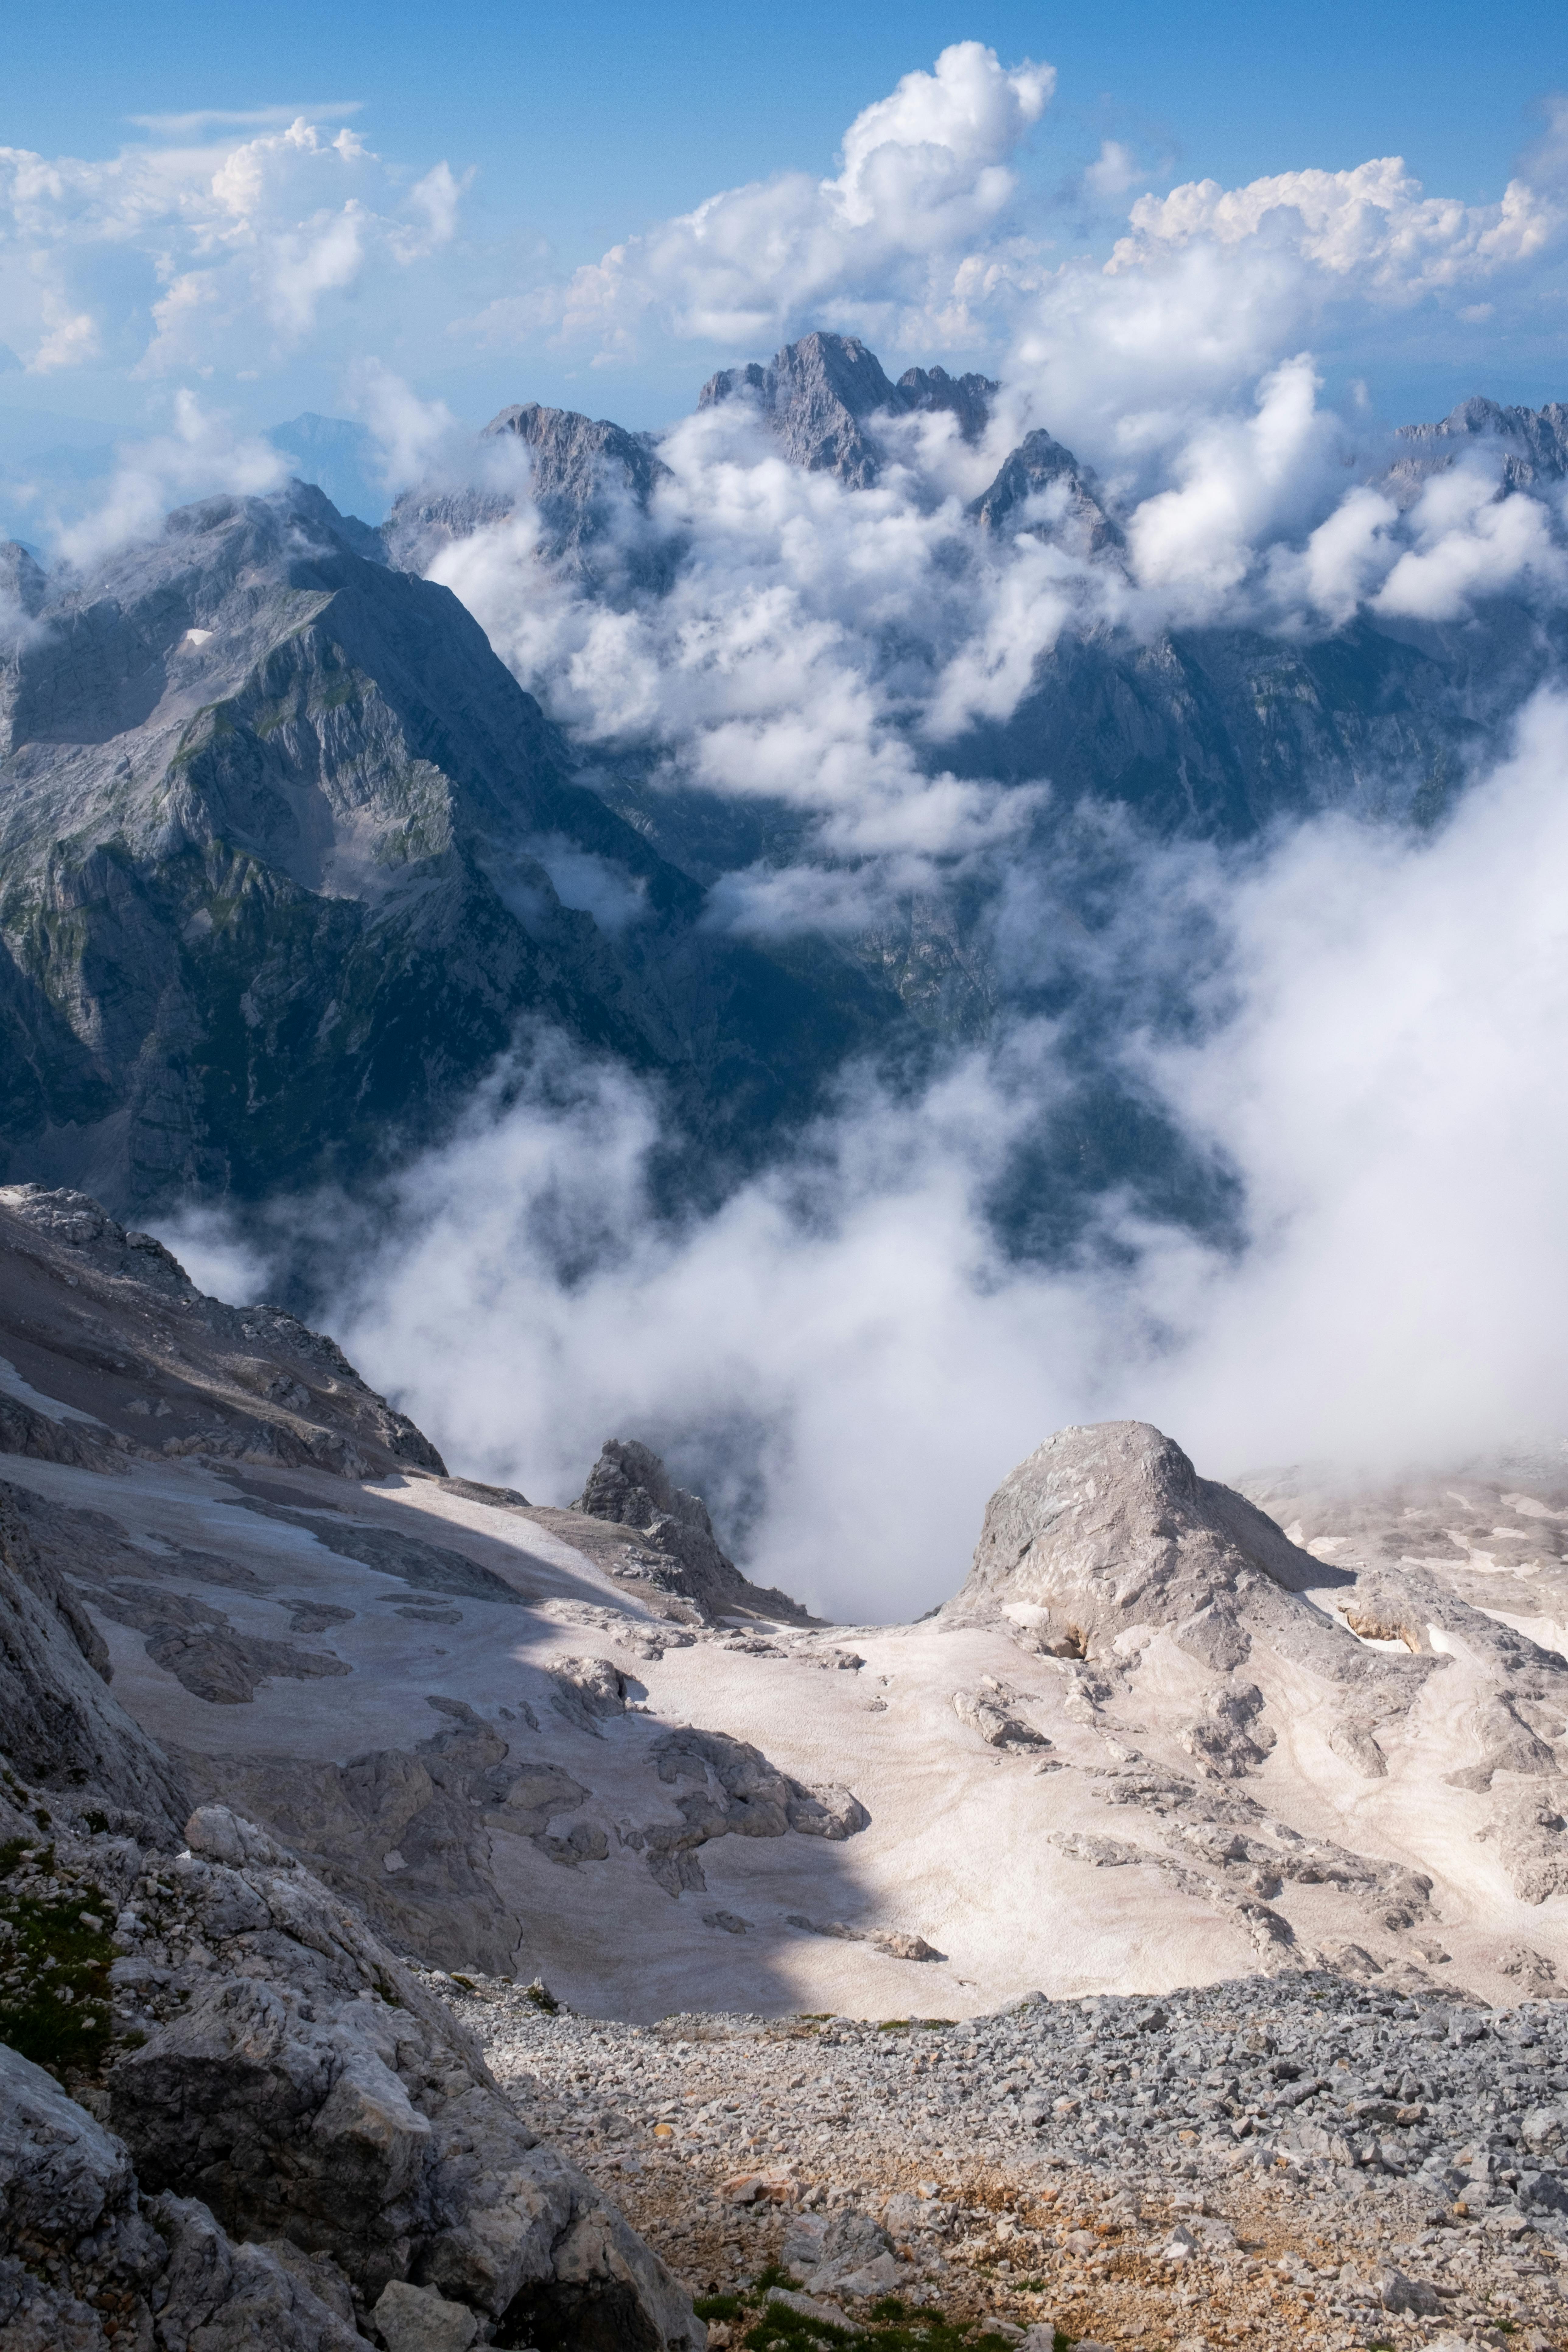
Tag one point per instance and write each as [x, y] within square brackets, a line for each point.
[890, 2325]
[55, 1953]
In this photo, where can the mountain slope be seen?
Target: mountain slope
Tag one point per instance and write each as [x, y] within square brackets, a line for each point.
[278, 833]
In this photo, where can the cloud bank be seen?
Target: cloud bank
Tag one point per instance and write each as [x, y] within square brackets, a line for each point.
[847, 1358]
[195, 251]
[926, 186]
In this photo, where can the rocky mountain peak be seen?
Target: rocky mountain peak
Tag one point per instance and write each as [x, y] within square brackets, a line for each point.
[1042, 489]
[569, 449]
[816, 394]
[968, 396]
[22, 578]
[585, 475]
[1534, 441]
[630, 1485]
[1109, 1524]
[819, 395]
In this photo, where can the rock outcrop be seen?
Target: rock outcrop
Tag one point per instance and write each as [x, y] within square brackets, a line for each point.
[630, 1485]
[60, 1724]
[591, 482]
[87, 2261]
[822, 394]
[1109, 1525]
[296, 2124]
[108, 1350]
[318, 2095]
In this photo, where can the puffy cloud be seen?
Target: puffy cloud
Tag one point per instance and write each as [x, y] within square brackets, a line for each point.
[1379, 1073]
[421, 440]
[845, 1346]
[767, 668]
[925, 180]
[1470, 543]
[817, 647]
[231, 247]
[1113, 170]
[201, 455]
[1240, 479]
[1373, 224]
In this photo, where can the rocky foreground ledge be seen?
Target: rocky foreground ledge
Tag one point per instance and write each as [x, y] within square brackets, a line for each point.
[259, 2128]
[1288, 2161]
[231, 2118]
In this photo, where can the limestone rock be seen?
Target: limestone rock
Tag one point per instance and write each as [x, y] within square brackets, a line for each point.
[1107, 1525]
[226, 2297]
[415, 2319]
[589, 1691]
[820, 395]
[315, 2092]
[738, 1791]
[986, 1712]
[108, 1321]
[62, 1726]
[630, 1485]
[1228, 1739]
[857, 2257]
[1397, 2292]
[77, 2234]
[405, 1833]
[896, 1942]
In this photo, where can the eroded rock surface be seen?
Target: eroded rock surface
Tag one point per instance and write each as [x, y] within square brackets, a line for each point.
[85, 2260]
[822, 395]
[629, 1484]
[107, 1350]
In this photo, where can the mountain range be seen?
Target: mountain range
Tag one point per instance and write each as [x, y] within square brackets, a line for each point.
[289, 859]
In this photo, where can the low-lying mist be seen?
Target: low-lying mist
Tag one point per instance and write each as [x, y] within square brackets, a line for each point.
[847, 1357]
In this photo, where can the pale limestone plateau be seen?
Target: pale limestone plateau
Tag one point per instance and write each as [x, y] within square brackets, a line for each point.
[1205, 1826]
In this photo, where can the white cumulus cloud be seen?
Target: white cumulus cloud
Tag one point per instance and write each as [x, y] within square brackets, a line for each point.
[894, 237]
[205, 251]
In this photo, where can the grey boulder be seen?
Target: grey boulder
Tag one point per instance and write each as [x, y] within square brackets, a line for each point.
[77, 2242]
[311, 2090]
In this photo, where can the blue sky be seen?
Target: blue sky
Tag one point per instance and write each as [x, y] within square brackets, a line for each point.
[567, 132]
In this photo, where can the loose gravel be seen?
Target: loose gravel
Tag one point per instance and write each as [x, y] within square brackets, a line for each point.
[1286, 2160]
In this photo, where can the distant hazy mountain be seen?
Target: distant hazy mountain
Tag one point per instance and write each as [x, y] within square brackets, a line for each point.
[339, 457]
